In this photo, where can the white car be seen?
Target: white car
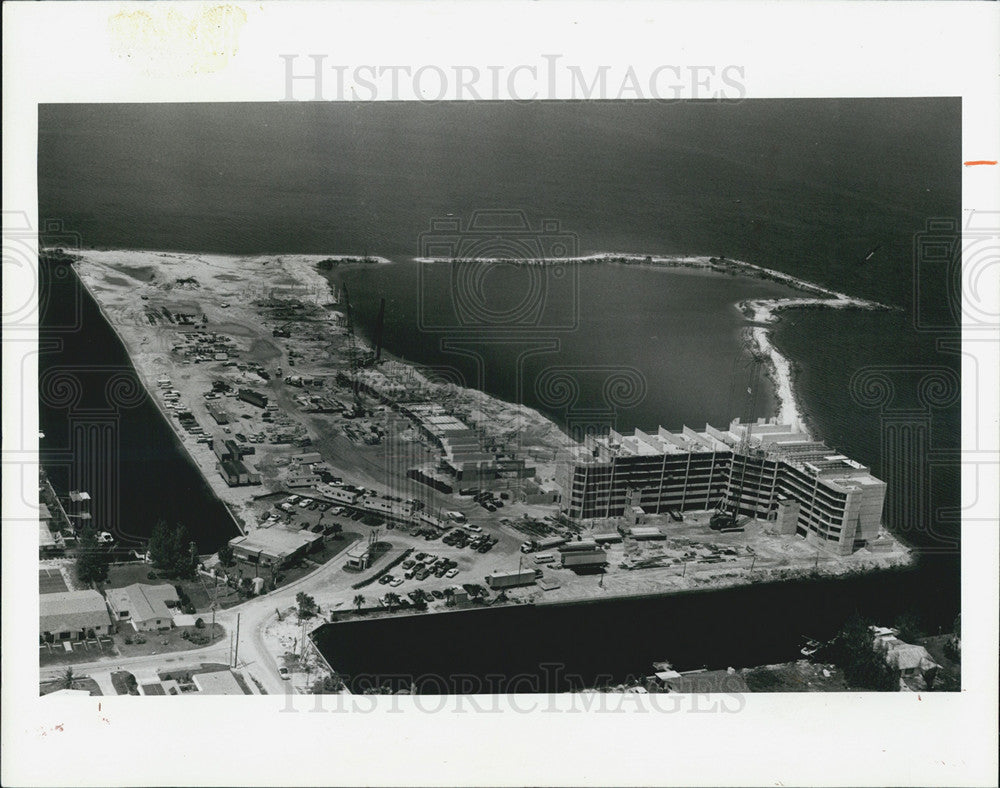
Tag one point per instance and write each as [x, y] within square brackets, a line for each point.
[474, 528]
[451, 573]
[397, 582]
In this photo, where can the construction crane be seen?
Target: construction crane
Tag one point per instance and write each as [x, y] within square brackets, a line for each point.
[352, 352]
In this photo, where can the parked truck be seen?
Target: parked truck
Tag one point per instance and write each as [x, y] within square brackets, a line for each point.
[543, 544]
[517, 577]
[583, 545]
[589, 558]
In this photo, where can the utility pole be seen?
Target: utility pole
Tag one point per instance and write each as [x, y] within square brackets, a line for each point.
[236, 654]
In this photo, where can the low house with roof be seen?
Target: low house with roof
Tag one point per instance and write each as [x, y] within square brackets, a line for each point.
[146, 607]
[273, 547]
[72, 615]
[913, 663]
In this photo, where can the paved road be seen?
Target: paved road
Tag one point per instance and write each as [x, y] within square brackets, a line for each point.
[329, 585]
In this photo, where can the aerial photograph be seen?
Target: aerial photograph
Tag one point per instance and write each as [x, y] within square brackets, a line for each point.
[477, 397]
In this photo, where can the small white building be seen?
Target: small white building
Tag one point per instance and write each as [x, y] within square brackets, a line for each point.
[359, 556]
[146, 607]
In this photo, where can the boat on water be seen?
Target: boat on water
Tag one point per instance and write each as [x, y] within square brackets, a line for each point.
[811, 647]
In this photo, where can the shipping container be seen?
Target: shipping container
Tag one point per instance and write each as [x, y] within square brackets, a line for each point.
[582, 545]
[594, 558]
[523, 577]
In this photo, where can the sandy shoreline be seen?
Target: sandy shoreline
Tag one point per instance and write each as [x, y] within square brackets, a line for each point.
[760, 312]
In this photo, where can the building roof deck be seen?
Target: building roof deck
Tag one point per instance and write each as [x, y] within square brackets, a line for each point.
[775, 441]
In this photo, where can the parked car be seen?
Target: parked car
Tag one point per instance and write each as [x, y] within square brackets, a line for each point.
[283, 672]
[396, 582]
[385, 579]
[408, 563]
[474, 528]
[438, 593]
[421, 575]
[451, 573]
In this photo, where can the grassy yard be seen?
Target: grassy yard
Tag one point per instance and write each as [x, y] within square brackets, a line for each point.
[52, 654]
[51, 581]
[164, 641]
[199, 590]
[799, 676]
[124, 683]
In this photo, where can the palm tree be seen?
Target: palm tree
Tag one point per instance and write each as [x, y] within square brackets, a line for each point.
[391, 600]
[68, 678]
[359, 602]
[449, 596]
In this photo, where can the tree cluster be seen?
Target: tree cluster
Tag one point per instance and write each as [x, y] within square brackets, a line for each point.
[307, 605]
[92, 560]
[172, 551]
[864, 667]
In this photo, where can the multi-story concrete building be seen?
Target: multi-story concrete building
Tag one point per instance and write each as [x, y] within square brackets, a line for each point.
[765, 470]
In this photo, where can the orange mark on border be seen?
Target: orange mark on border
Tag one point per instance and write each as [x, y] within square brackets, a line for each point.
[980, 161]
